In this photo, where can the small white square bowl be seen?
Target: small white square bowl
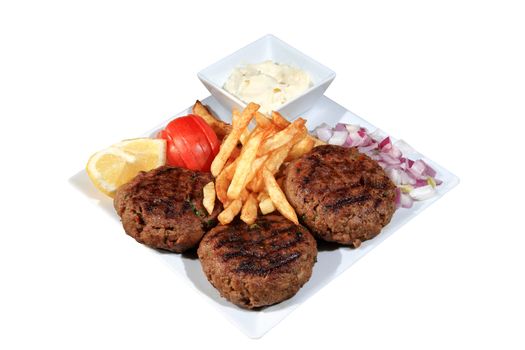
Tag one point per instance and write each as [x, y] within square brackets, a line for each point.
[268, 48]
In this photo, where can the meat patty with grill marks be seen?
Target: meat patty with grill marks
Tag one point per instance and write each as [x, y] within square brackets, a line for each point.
[162, 208]
[340, 194]
[260, 264]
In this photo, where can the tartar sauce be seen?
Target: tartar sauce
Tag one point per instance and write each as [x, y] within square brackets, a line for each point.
[268, 84]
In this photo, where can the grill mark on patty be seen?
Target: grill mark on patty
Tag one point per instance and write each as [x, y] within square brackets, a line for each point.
[153, 208]
[235, 238]
[262, 255]
[171, 206]
[244, 249]
[250, 266]
[308, 177]
[346, 194]
[347, 200]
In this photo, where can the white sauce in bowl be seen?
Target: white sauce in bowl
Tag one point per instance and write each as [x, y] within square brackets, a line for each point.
[268, 84]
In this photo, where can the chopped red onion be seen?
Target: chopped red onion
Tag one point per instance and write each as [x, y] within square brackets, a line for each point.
[365, 149]
[338, 138]
[340, 127]
[422, 193]
[418, 167]
[324, 134]
[352, 127]
[429, 171]
[386, 141]
[394, 175]
[390, 160]
[420, 183]
[414, 180]
[406, 201]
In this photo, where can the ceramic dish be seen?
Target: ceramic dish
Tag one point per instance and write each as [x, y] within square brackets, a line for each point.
[332, 260]
[268, 48]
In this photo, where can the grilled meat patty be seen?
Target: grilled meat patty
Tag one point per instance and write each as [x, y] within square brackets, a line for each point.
[340, 194]
[260, 264]
[162, 208]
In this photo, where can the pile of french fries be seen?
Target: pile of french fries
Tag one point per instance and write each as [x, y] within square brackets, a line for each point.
[245, 177]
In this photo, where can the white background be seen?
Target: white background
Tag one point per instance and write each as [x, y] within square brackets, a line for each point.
[446, 76]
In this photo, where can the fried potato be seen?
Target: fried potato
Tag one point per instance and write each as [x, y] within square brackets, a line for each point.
[228, 214]
[221, 128]
[246, 134]
[279, 120]
[282, 122]
[302, 147]
[235, 154]
[282, 137]
[209, 197]
[233, 137]
[249, 210]
[248, 178]
[229, 170]
[221, 187]
[262, 120]
[278, 197]
[257, 183]
[256, 166]
[266, 204]
[277, 157]
[244, 165]
[262, 196]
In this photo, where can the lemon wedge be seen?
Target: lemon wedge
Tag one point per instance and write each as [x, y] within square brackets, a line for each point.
[118, 164]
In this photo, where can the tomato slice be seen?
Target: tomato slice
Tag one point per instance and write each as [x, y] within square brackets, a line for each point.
[191, 143]
[202, 139]
[215, 144]
[172, 153]
[211, 137]
[187, 137]
[185, 154]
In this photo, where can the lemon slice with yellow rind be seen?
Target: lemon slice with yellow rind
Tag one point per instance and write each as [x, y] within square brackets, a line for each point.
[116, 165]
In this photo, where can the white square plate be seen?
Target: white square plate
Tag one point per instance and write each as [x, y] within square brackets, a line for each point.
[330, 262]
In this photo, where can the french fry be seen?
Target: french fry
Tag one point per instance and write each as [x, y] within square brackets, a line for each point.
[278, 197]
[277, 157]
[282, 137]
[262, 120]
[244, 164]
[262, 196]
[221, 128]
[257, 183]
[282, 122]
[209, 197]
[221, 187]
[229, 170]
[244, 195]
[235, 116]
[302, 147]
[256, 166]
[228, 214]
[246, 134]
[266, 204]
[279, 120]
[233, 137]
[235, 154]
[245, 177]
[249, 210]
